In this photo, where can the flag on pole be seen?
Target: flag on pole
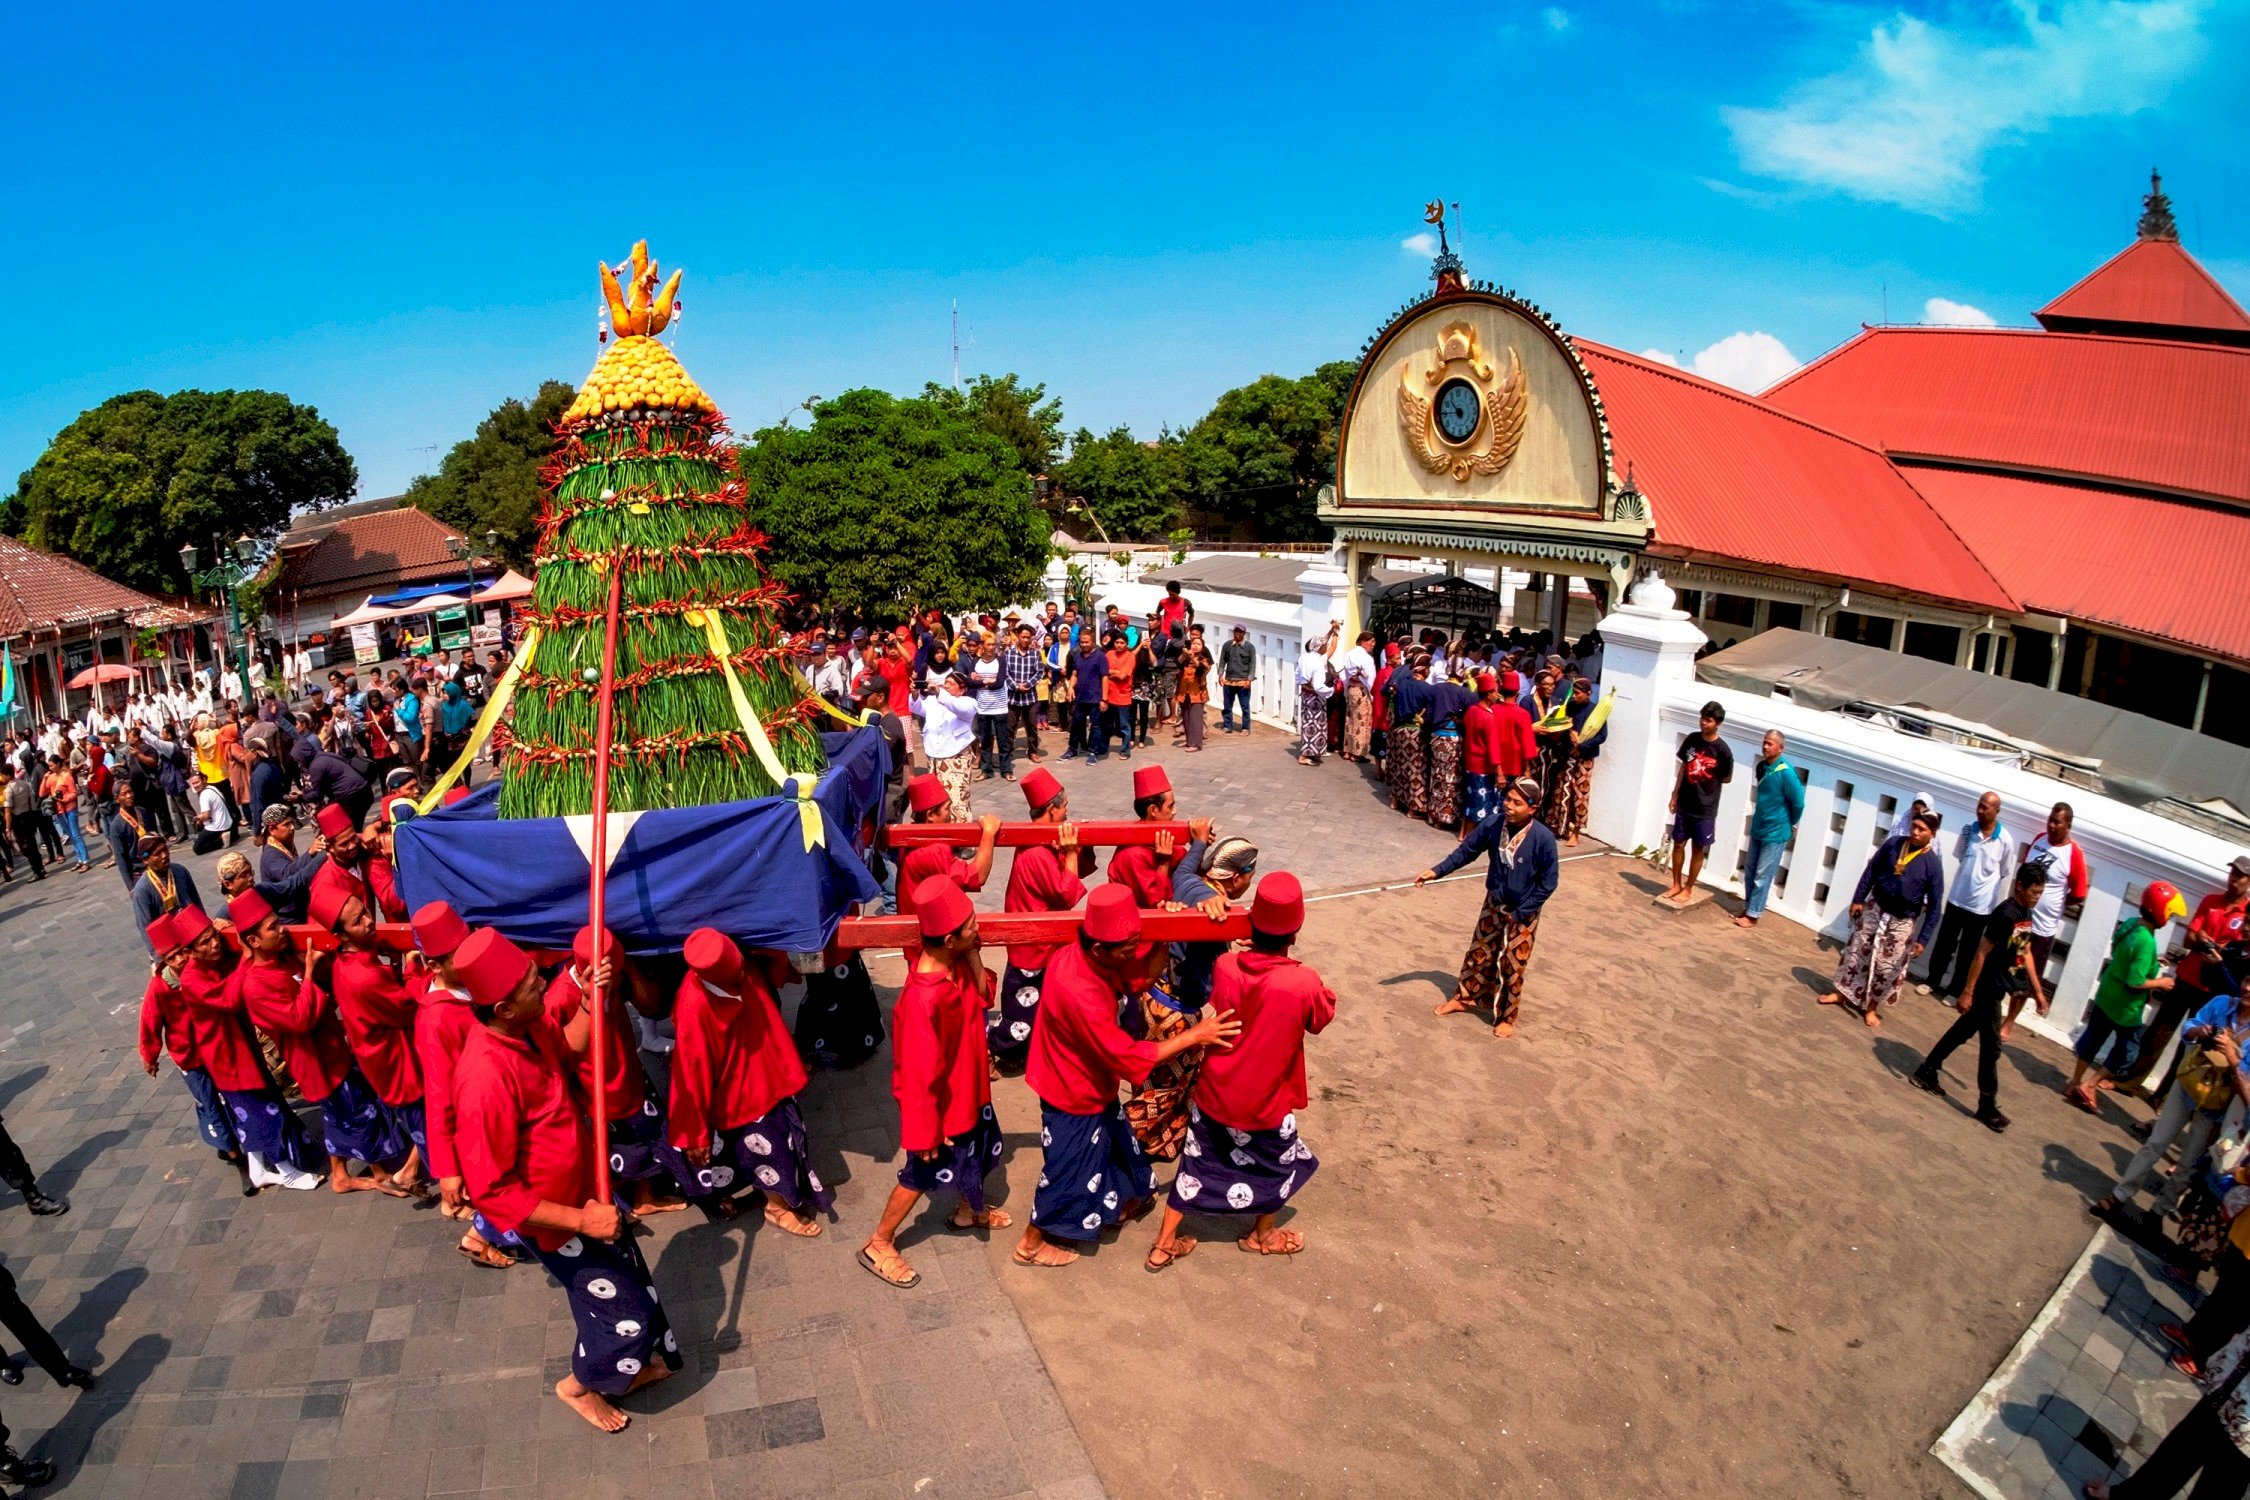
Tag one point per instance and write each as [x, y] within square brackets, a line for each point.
[7, 681]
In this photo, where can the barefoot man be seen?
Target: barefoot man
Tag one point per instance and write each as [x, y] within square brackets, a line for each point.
[1517, 882]
[442, 1023]
[527, 1154]
[1243, 1154]
[735, 1080]
[1040, 879]
[1094, 1173]
[941, 1077]
[639, 1150]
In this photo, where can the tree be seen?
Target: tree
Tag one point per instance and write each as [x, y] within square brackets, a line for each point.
[642, 493]
[490, 480]
[127, 484]
[1133, 487]
[886, 505]
[1020, 416]
[1264, 450]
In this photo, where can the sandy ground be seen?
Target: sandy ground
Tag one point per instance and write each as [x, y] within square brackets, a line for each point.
[1687, 1233]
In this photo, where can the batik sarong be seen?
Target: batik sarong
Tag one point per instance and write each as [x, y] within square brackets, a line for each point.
[1409, 784]
[839, 1022]
[1157, 1108]
[640, 1148]
[613, 1303]
[954, 774]
[266, 1125]
[1445, 777]
[1228, 1171]
[960, 1165]
[356, 1125]
[1875, 958]
[1480, 796]
[1312, 723]
[769, 1154]
[1092, 1168]
[1492, 971]
[1359, 719]
[1573, 798]
[1007, 1033]
[212, 1121]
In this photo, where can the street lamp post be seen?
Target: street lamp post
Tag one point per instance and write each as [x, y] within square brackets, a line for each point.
[228, 573]
[466, 551]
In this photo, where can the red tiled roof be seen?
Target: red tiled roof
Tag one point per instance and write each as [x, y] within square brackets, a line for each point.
[2167, 569]
[2146, 413]
[42, 592]
[1730, 478]
[368, 553]
[2149, 284]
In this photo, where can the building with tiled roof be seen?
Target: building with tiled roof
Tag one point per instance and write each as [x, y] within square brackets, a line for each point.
[59, 617]
[2067, 504]
[330, 563]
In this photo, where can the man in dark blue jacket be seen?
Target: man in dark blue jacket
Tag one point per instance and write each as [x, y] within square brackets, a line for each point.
[1521, 876]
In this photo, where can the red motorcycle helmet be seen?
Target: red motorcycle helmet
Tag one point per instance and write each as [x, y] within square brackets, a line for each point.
[2161, 901]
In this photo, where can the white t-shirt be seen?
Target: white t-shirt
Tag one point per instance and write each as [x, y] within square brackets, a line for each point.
[1356, 665]
[948, 724]
[211, 811]
[2047, 916]
[1312, 672]
[1985, 870]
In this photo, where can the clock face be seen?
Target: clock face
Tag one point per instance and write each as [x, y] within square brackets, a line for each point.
[1457, 411]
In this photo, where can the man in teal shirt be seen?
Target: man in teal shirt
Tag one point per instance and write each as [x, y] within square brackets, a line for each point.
[1775, 808]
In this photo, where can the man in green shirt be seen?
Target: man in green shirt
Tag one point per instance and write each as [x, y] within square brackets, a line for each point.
[2130, 976]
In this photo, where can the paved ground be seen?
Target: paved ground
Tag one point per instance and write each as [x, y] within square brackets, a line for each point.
[1687, 1234]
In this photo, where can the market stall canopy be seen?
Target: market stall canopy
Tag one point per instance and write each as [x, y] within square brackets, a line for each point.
[2129, 756]
[107, 671]
[507, 588]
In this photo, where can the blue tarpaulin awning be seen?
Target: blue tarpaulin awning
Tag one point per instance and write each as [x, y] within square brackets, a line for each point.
[741, 867]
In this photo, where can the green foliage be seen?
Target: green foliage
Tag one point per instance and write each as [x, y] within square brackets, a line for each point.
[1020, 416]
[127, 484]
[1265, 449]
[1133, 487]
[886, 505]
[663, 545]
[490, 480]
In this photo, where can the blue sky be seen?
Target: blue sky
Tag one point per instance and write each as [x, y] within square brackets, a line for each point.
[395, 215]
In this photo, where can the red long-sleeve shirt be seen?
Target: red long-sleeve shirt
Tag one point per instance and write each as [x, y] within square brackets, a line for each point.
[1496, 737]
[732, 1058]
[378, 1016]
[442, 1023]
[924, 860]
[1037, 881]
[1261, 1078]
[625, 1084]
[1079, 1054]
[223, 1044]
[164, 1025]
[298, 1014]
[941, 1073]
[1136, 867]
[521, 1132]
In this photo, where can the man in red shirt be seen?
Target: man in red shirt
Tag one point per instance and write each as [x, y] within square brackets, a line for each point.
[1094, 1172]
[442, 1023]
[1043, 877]
[355, 863]
[377, 1011]
[1243, 1154]
[273, 1142]
[1146, 869]
[941, 1076]
[165, 1028]
[527, 1156]
[735, 1080]
[299, 1015]
[639, 1150]
[928, 802]
[1117, 697]
[1497, 742]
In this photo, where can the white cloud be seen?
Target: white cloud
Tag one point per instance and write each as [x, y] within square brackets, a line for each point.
[1746, 361]
[1947, 313]
[1661, 357]
[1912, 118]
[1424, 243]
[1556, 17]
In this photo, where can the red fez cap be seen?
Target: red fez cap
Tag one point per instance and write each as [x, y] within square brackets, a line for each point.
[452, 795]
[334, 819]
[582, 946]
[713, 955]
[1511, 682]
[1040, 787]
[925, 792]
[1111, 916]
[248, 910]
[1487, 683]
[190, 923]
[489, 966]
[438, 929]
[163, 935]
[1278, 909]
[940, 906]
[324, 903]
[1150, 781]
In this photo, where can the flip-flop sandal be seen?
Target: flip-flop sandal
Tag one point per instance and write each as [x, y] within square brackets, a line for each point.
[1037, 1264]
[913, 1277]
[1249, 1245]
[995, 1218]
[392, 1190]
[1182, 1248]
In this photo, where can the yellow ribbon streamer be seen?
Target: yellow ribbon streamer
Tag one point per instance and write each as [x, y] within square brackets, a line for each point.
[799, 787]
[502, 693]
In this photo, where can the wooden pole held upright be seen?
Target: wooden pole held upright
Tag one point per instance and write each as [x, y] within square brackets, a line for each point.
[604, 730]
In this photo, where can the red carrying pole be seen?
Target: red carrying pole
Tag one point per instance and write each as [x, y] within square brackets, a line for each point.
[604, 729]
[1022, 835]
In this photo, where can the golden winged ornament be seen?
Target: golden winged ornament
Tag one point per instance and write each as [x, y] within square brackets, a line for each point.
[1503, 406]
